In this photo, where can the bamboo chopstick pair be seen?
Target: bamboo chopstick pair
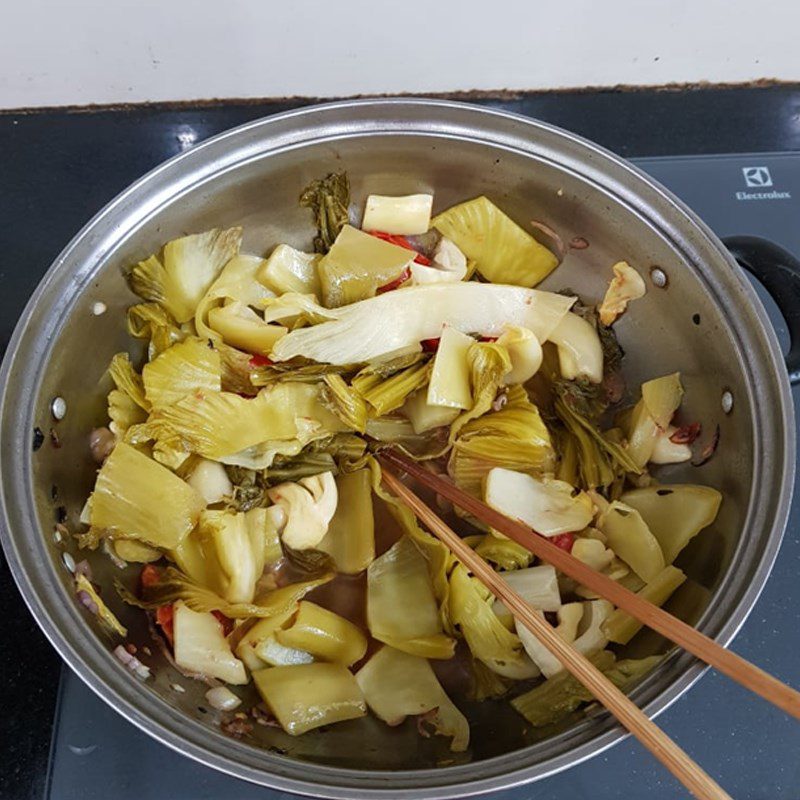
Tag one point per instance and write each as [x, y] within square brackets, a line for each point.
[629, 715]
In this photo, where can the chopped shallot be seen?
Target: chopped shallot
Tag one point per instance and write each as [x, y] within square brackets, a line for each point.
[222, 698]
[132, 663]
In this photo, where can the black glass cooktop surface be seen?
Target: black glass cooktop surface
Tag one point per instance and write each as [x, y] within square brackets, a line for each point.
[58, 170]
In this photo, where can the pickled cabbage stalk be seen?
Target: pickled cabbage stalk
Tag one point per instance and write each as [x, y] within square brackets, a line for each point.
[239, 544]
[209, 479]
[395, 320]
[306, 696]
[652, 414]
[630, 538]
[200, 646]
[471, 609]
[350, 539]
[138, 498]
[397, 685]
[675, 514]
[358, 265]
[290, 270]
[620, 627]
[425, 417]
[401, 607]
[323, 634]
[450, 380]
[580, 353]
[239, 326]
[406, 215]
[236, 283]
[548, 506]
[524, 351]
[259, 648]
[503, 251]
[538, 587]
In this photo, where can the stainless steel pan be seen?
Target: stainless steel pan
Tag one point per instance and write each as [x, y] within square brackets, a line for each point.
[705, 321]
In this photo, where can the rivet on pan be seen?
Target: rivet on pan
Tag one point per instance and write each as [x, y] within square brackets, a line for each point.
[727, 401]
[59, 407]
[659, 277]
[98, 308]
[69, 562]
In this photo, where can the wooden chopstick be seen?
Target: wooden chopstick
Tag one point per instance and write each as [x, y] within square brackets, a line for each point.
[689, 773]
[735, 667]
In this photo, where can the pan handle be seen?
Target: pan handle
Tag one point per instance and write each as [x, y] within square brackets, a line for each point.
[779, 272]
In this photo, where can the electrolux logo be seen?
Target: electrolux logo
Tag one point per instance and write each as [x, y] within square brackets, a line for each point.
[760, 178]
[757, 177]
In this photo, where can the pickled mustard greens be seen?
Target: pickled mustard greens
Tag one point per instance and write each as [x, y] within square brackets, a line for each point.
[240, 488]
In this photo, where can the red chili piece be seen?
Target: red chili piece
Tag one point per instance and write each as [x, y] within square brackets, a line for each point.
[564, 541]
[686, 434]
[397, 283]
[401, 241]
[430, 345]
[260, 361]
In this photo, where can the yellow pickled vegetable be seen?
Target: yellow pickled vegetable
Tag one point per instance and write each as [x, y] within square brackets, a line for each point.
[239, 326]
[503, 251]
[407, 215]
[259, 648]
[350, 539]
[190, 265]
[186, 367]
[676, 513]
[425, 417]
[620, 627]
[470, 607]
[397, 685]
[135, 497]
[323, 634]
[132, 550]
[630, 538]
[307, 696]
[290, 270]
[450, 379]
[358, 265]
[201, 647]
[401, 607]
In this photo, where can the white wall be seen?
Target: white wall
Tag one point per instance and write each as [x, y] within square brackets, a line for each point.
[58, 52]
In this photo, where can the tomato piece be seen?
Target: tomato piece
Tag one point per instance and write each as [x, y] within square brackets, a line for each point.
[226, 622]
[165, 617]
[564, 541]
[260, 361]
[397, 283]
[149, 576]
